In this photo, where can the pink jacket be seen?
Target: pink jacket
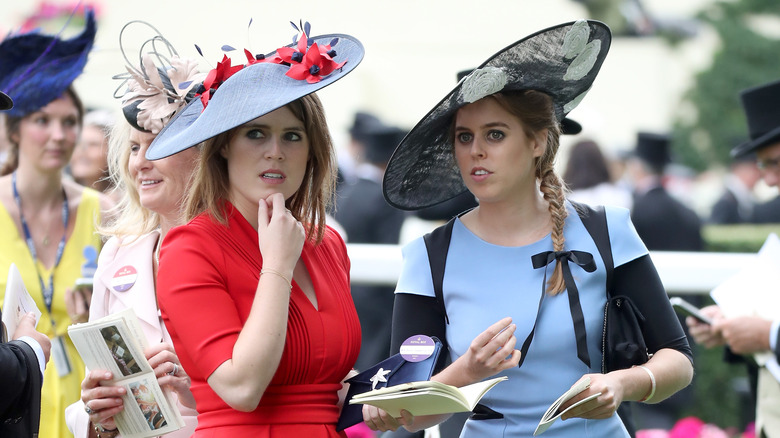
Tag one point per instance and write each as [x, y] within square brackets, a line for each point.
[141, 297]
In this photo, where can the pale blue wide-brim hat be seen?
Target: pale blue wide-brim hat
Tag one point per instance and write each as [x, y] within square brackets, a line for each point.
[250, 93]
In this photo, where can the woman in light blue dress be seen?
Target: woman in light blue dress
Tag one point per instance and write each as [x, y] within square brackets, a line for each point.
[496, 135]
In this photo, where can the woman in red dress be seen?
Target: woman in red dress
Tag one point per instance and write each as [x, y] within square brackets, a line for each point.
[254, 289]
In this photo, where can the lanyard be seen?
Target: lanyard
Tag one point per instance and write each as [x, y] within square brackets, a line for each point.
[48, 292]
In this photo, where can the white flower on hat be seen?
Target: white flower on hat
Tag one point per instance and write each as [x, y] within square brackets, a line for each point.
[483, 82]
[584, 62]
[574, 102]
[575, 40]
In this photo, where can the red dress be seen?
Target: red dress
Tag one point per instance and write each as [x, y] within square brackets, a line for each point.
[206, 286]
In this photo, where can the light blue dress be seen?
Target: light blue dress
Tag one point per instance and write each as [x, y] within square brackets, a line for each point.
[484, 283]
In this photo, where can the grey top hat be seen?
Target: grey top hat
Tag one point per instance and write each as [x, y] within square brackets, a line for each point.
[762, 110]
[259, 88]
[561, 61]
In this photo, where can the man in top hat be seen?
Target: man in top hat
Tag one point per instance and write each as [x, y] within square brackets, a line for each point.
[663, 222]
[749, 334]
[367, 218]
[22, 361]
[737, 204]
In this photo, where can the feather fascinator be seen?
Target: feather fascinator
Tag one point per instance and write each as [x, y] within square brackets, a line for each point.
[36, 69]
[158, 84]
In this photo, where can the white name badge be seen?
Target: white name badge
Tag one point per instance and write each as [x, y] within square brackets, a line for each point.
[60, 356]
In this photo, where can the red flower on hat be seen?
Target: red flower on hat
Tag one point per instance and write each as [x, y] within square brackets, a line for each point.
[216, 77]
[311, 63]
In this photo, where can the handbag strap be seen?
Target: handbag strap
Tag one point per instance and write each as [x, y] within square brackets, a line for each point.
[595, 221]
[437, 243]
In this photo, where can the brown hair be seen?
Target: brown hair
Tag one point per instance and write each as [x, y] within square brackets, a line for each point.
[309, 203]
[535, 111]
[12, 129]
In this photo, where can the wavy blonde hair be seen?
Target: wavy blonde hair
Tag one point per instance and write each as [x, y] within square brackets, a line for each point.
[536, 112]
[211, 186]
[128, 216]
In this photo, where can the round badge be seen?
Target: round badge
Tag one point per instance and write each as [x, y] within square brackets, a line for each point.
[417, 348]
[124, 278]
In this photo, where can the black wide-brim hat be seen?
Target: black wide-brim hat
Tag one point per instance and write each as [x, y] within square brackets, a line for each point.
[762, 110]
[561, 61]
[252, 92]
[5, 102]
[36, 68]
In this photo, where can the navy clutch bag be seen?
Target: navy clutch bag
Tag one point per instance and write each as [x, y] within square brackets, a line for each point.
[391, 371]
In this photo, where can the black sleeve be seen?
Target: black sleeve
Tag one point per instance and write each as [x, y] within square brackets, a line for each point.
[16, 366]
[639, 280]
[415, 315]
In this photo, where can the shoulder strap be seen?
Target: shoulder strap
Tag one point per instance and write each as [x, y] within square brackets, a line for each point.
[595, 221]
[437, 242]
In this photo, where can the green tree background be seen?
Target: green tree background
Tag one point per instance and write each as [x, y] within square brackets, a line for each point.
[710, 121]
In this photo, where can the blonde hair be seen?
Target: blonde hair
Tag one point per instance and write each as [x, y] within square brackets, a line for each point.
[535, 111]
[211, 186]
[128, 216]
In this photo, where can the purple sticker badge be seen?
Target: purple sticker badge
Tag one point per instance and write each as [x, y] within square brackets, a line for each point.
[124, 278]
[417, 348]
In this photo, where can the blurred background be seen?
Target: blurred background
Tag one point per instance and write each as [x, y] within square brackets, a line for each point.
[675, 66]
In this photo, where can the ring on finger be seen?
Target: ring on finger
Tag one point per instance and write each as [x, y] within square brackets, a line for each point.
[88, 410]
[174, 370]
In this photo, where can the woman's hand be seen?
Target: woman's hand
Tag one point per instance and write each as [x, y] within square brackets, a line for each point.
[491, 352]
[77, 303]
[169, 372]
[280, 235]
[379, 420]
[600, 407]
[101, 402]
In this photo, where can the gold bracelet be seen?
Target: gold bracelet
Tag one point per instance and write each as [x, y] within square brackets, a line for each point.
[275, 272]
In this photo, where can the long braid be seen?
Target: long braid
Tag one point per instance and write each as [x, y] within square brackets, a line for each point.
[552, 189]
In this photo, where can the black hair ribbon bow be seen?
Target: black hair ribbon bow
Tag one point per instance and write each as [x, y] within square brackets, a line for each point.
[585, 261]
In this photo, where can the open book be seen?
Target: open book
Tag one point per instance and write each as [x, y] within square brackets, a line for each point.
[554, 411]
[426, 397]
[17, 302]
[116, 343]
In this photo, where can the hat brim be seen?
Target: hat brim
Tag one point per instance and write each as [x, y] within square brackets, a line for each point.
[252, 92]
[5, 102]
[753, 145]
[422, 171]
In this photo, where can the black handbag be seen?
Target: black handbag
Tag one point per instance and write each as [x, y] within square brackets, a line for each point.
[622, 342]
[395, 370]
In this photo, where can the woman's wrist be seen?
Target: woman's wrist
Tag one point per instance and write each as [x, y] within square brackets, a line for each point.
[102, 432]
[278, 274]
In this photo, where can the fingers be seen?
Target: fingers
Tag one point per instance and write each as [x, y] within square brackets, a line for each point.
[263, 214]
[496, 344]
[101, 402]
[164, 361]
[379, 420]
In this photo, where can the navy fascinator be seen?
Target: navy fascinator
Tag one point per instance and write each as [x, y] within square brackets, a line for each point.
[36, 69]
